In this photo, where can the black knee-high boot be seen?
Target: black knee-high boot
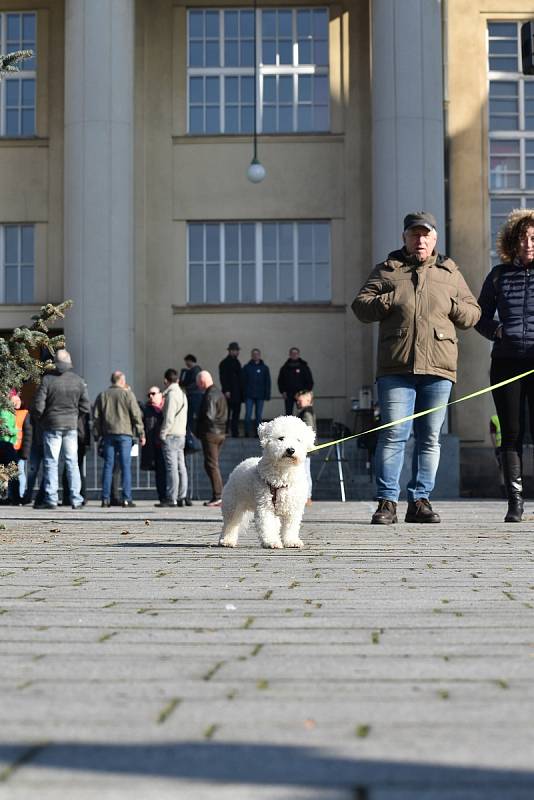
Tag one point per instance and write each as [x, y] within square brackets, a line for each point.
[511, 462]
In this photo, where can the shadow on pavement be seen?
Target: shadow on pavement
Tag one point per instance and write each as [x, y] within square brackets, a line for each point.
[239, 763]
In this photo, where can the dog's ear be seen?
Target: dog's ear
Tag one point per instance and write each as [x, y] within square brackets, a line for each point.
[264, 431]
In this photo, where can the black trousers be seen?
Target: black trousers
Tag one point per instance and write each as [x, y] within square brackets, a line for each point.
[232, 423]
[512, 400]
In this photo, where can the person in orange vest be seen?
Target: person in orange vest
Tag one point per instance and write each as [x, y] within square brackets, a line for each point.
[22, 447]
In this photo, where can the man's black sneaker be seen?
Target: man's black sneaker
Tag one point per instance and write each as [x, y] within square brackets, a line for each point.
[385, 514]
[421, 511]
[128, 504]
[188, 501]
[49, 506]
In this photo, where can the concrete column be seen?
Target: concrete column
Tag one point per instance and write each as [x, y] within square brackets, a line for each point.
[99, 273]
[407, 107]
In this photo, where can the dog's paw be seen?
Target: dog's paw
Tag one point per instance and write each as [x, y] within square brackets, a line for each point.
[276, 545]
[294, 543]
[224, 542]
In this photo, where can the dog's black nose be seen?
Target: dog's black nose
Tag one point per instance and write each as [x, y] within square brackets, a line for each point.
[290, 451]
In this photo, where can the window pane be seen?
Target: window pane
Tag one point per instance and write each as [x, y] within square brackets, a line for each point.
[28, 92]
[12, 92]
[285, 23]
[304, 51]
[285, 119]
[231, 90]
[13, 27]
[213, 289]
[28, 28]
[248, 283]
[270, 294]
[247, 119]
[212, 90]
[26, 289]
[269, 119]
[11, 244]
[196, 242]
[231, 119]
[196, 54]
[503, 64]
[196, 24]
[12, 123]
[196, 120]
[231, 286]
[321, 90]
[247, 90]
[269, 241]
[502, 29]
[305, 122]
[246, 21]
[27, 250]
[305, 241]
[322, 241]
[212, 54]
[269, 89]
[196, 283]
[305, 88]
[285, 51]
[320, 23]
[285, 242]
[27, 122]
[212, 243]
[286, 292]
[322, 282]
[305, 276]
[213, 123]
[196, 90]
[285, 89]
[268, 23]
[231, 28]
[501, 47]
[231, 54]
[269, 52]
[231, 242]
[212, 24]
[248, 242]
[321, 54]
[247, 54]
[321, 118]
[11, 285]
[304, 23]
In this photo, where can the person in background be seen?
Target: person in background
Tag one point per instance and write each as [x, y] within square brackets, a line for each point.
[17, 487]
[152, 452]
[188, 383]
[211, 427]
[172, 436]
[59, 401]
[294, 376]
[304, 401]
[34, 464]
[256, 389]
[116, 420]
[230, 377]
[507, 303]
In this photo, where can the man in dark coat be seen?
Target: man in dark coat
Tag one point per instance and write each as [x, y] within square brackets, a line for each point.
[256, 388]
[232, 387]
[211, 426]
[294, 376]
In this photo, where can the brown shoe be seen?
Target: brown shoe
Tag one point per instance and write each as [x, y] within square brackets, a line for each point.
[213, 503]
[385, 514]
[421, 511]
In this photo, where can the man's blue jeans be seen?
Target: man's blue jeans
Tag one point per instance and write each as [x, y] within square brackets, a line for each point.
[250, 404]
[399, 396]
[117, 445]
[54, 442]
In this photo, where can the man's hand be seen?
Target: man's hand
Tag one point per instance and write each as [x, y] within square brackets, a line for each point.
[228, 395]
[142, 440]
[498, 333]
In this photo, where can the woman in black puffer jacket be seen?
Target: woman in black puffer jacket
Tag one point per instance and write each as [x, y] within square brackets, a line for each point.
[508, 291]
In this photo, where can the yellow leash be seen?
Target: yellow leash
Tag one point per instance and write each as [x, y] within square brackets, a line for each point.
[423, 413]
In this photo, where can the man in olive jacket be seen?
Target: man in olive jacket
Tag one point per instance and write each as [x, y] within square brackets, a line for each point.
[211, 427]
[116, 420]
[419, 297]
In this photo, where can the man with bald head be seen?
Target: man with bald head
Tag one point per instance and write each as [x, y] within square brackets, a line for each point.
[211, 428]
[117, 419]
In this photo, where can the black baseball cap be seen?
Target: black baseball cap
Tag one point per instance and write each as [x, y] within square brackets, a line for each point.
[423, 219]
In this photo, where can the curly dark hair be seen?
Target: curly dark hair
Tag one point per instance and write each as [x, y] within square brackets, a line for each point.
[512, 231]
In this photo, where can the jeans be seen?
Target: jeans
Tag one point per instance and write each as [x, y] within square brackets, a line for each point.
[253, 403]
[117, 445]
[399, 396]
[173, 453]
[211, 445]
[234, 410]
[54, 442]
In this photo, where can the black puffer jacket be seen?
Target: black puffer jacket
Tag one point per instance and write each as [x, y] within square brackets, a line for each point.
[60, 399]
[509, 291]
[294, 376]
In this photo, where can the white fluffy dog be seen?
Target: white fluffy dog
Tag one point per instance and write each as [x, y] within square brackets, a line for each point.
[274, 486]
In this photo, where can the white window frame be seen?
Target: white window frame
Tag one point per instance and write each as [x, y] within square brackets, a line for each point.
[293, 70]
[20, 264]
[21, 74]
[520, 135]
[258, 259]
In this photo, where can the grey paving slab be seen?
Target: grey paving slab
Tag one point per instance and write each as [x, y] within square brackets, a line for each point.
[137, 659]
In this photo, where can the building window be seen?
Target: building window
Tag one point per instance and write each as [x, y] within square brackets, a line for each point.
[293, 84]
[17, 263]
[511, 126]
[259, 262]
[17, 89]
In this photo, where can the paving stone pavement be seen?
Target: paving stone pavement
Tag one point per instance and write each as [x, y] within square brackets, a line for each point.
[141, 661]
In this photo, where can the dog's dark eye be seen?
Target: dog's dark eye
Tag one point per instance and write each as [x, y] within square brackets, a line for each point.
[280, 438]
